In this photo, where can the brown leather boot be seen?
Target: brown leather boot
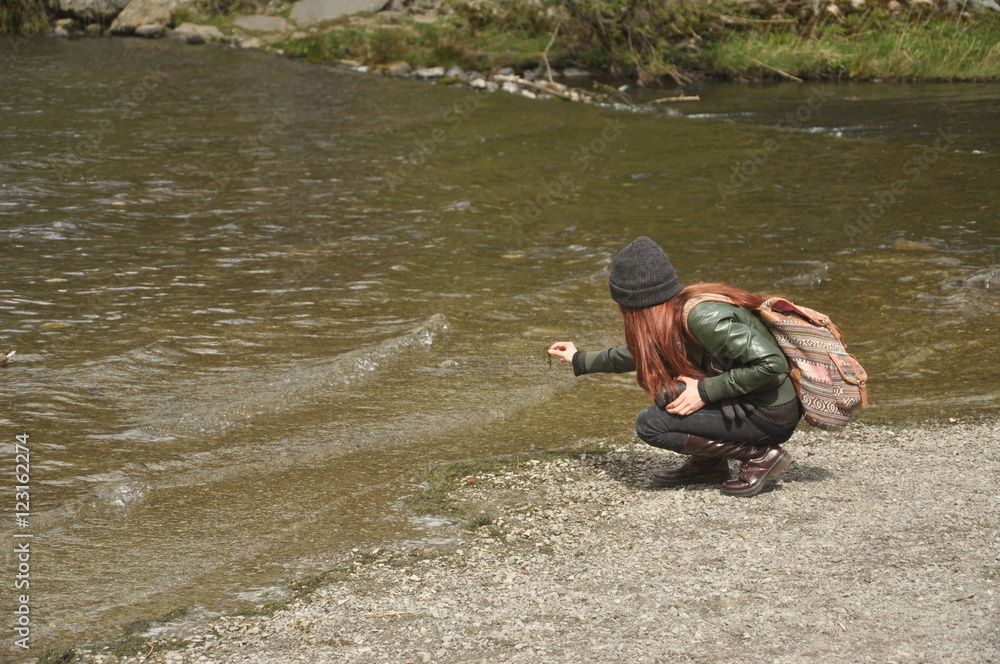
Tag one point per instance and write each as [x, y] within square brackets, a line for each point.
[755, 472]
[694, 470]
[760, 462]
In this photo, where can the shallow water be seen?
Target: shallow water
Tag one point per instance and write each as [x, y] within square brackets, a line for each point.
[252, 298]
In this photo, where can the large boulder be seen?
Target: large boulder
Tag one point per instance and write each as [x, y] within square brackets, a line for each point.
[88, 11]
[261, 23]
[307, 12]
[102, 11]
[984, 6]
[141, 12]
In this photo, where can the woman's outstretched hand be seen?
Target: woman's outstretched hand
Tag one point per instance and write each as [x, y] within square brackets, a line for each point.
[564, 350]
[689, 400]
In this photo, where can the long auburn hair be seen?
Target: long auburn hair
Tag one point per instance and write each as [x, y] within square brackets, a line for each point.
[655, 335]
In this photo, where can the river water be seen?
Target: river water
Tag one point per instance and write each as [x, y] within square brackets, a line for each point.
[252, 298]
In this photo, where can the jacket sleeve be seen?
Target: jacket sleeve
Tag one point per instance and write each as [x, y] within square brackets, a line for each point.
[753, 355]
[610, 360]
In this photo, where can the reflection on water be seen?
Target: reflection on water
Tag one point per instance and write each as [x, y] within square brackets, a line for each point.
[239, 339]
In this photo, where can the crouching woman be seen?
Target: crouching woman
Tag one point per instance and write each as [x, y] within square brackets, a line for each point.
[720, 387]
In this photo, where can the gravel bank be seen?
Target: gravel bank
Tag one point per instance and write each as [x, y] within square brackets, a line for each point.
[879, 545]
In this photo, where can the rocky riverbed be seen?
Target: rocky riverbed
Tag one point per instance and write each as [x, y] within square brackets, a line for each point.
[876, 545]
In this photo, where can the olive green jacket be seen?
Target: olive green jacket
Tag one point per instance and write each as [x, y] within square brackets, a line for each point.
[737, 352]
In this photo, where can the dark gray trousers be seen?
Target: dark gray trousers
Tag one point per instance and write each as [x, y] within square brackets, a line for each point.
[662, 429]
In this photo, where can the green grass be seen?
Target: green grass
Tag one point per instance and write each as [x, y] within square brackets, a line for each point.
[677, 41]
[23, 17]
[945, 51]
[443, 43]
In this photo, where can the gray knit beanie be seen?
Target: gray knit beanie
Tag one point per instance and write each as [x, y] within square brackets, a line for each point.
[642, 275]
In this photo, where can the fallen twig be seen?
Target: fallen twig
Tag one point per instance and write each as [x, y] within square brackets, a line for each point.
[783, 73]
[745, 20]
[663, 100]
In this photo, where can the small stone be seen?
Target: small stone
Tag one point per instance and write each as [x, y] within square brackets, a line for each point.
[151, 30]
[251, 42]
[455, 72]
[478, 83]
[427, 73]
[190, 33]
[400, 69]
[506, 71]
[575, 72]
[511, 87]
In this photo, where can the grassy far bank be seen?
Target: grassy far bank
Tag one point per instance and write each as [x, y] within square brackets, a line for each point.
[947, 51]
[651, 42]
[654, 42]
[23, 17]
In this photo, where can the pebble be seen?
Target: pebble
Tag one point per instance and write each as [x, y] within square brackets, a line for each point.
[400, 69]
[428, 73]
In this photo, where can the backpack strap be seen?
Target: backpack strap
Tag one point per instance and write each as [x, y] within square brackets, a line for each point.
[698, 299]
[780, 305]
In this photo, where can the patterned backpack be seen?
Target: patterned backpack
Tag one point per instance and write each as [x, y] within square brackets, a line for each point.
[830, 382]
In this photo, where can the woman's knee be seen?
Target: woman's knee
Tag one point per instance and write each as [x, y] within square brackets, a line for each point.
[644, 424]
[655, 427]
